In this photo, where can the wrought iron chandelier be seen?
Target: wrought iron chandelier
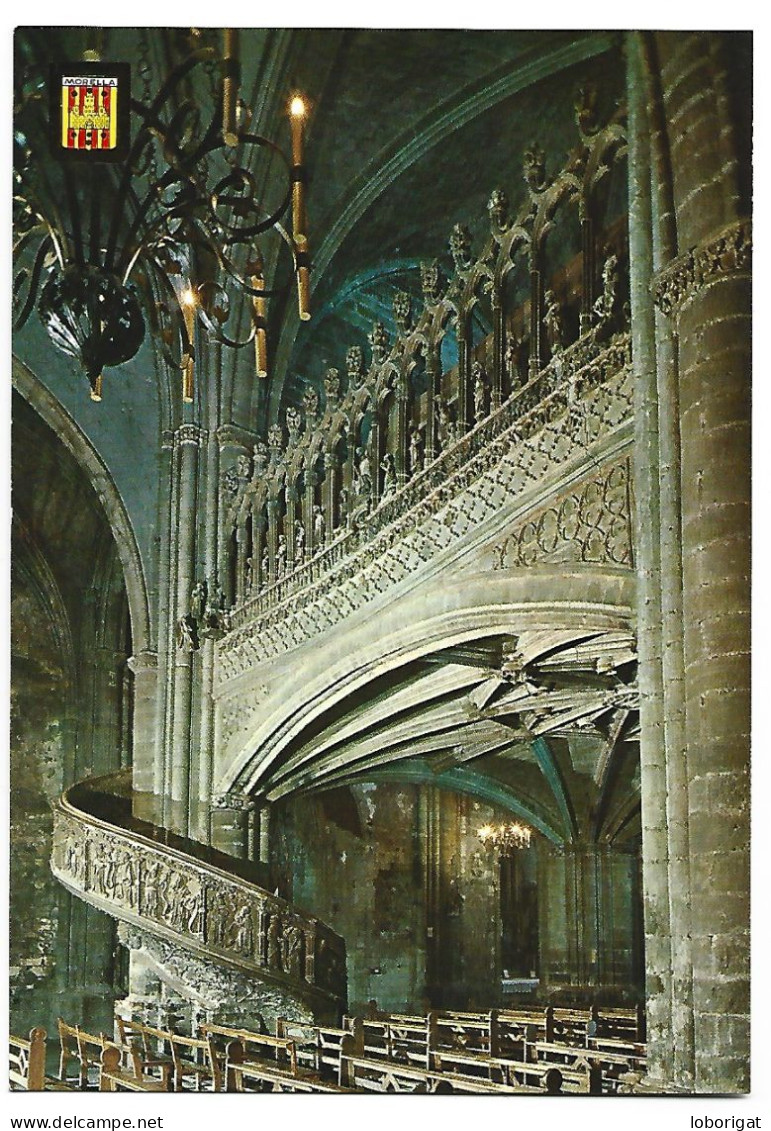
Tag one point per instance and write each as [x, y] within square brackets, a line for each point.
[505, 838]
[168, 232]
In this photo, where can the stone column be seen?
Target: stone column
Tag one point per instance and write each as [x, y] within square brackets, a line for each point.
[264, 833]
[230, 824]
[144, 665]
[188, 439]
[496, 396]
[536, 304]
[464, 370]
[289, 521]
[272, 535]
[706, 291]
[400, 440]
[311, 479]
[259, 541]
[671, 563]
[331, 490]
[434, 376]
[242, 553]
[653, 769]
[587, 270]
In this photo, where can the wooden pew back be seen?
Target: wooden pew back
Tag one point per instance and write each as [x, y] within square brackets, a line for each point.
[27, 1061]
[84, 1048]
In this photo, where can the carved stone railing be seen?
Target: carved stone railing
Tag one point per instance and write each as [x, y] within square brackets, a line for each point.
[198, 907]
[560, 416]
[399, 419]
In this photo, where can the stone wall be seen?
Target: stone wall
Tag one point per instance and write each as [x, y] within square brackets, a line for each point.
[399, 872]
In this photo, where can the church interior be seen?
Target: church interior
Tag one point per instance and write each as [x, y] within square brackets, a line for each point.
[380, 559]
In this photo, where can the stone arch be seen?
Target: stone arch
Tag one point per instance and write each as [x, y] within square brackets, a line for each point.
[87, 457]
[429, 618]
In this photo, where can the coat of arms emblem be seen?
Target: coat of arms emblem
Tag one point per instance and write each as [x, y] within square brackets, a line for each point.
[89, 112]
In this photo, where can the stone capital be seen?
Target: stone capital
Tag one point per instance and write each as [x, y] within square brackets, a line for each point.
[234, 436]
[726, 253]
[190, 434]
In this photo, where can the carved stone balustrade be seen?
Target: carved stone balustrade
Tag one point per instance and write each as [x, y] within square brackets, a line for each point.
[402, 423]
[560, 417]
[197, 907]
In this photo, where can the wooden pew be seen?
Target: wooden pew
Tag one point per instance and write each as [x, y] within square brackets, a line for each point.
[145, 1050]
[319, 1046]
[270, 1076]
[621, 1024]
[27, 1061]
[373, 1074]
[259, 1049]
[113, 1077]
[85, 1049]
[400, 1038]
[180, 1060]
[574, 1063]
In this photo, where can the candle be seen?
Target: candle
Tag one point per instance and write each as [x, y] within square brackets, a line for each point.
[303, 279]
[297, 113]
[260, 337]
[230, 87]
[187, 302]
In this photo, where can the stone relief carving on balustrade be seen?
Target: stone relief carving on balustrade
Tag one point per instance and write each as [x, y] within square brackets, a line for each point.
[728, 252]
[228, 917]
[221, 992]
[591, 524]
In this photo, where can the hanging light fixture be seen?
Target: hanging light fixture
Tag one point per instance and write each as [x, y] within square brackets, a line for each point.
[150, 212]
[505, 838]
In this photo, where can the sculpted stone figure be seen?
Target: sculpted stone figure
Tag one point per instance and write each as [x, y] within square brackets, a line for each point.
[389, 474]
[416, 451]
[319, 527]
[198, 600]
[363, 472]
[442, 421]
[498, 210]
[260, 458]
[186, 634]
[281, 556]
[512, 360]
[552, 319]
[604, 306]
[299, 542]
[480, 390]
